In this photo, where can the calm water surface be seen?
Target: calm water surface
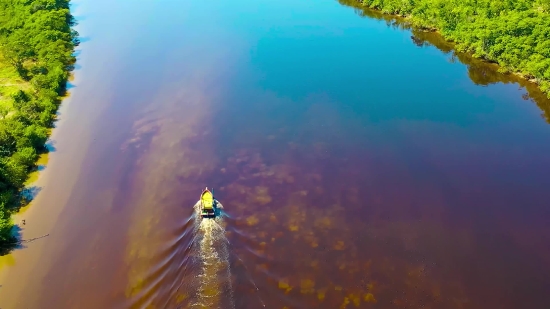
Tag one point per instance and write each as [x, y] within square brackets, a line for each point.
[358, 167]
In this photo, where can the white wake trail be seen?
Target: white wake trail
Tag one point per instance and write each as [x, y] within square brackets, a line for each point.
[214, 279]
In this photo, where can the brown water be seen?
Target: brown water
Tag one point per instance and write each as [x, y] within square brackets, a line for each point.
[356, 168]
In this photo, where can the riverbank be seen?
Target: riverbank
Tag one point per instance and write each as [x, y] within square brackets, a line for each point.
[36, 48]
[514, 35]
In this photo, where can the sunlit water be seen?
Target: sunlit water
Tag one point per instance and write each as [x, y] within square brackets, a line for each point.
[214, 279]
[358, 167]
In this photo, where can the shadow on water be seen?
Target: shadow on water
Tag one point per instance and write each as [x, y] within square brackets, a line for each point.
[24, 199]
[28, 194]
[50, 146]
[83, 39]
[7, 248]
[480, 72]
[18, 241]
[70, 86]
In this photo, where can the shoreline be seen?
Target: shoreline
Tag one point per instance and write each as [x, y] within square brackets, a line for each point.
[35, 77]
[407, 22]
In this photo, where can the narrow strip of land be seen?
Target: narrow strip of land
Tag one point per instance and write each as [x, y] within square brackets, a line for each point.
[36, 57]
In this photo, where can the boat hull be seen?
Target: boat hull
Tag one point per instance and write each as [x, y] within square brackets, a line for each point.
[207, 204]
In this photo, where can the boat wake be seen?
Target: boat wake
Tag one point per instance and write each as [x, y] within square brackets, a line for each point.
[214, 287]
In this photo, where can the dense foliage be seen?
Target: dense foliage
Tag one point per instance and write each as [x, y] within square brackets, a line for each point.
[37, 41]
[515, 34]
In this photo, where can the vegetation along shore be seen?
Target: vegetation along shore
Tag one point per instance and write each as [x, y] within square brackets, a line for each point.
[37, 44]
[514, 34]
[36, 57]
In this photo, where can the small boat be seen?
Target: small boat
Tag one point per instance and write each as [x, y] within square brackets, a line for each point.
[208, 204]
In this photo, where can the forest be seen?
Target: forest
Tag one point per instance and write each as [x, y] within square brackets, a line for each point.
[36, 56]
[513, 33]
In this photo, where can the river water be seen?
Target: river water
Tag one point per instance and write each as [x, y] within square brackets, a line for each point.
[358, 167]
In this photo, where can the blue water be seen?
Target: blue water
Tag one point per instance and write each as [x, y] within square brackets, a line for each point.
[344, 155]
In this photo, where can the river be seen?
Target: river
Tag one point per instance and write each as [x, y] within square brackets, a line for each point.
[357, 166]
